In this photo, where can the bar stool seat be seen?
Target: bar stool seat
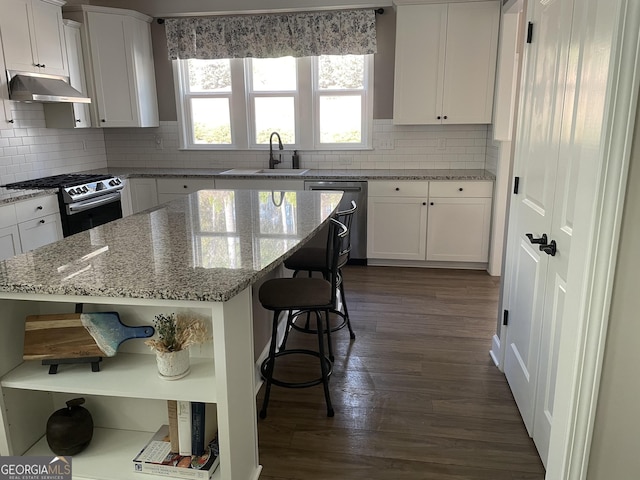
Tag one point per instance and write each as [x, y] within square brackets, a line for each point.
[317, 295]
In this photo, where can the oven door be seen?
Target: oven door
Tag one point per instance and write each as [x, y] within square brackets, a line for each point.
[81, 216]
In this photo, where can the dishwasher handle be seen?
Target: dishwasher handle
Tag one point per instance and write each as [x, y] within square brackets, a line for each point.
[336, 189]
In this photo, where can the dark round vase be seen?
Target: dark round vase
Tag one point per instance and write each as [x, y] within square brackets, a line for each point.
[69, 430]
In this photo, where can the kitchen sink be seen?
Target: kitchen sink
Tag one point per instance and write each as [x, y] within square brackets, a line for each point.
[265, 171]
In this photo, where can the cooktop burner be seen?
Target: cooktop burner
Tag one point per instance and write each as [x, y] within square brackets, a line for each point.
[59, 181]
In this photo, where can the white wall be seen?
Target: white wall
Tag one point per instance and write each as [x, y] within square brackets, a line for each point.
[29, 150]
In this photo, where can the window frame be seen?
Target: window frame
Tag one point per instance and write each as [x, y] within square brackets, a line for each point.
[242, 115]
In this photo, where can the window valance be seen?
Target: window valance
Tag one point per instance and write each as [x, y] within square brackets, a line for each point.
[341, 32]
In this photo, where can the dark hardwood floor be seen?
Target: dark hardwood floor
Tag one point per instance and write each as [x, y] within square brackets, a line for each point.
[416, 394]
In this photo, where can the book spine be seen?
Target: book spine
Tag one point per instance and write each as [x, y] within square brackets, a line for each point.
[197, 428]
[169, 471]
[184, 427]
[172, 411]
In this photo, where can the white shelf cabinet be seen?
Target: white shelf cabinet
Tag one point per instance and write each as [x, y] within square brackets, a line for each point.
[120, 69]
[459, 221]
[397, 220]
[445, 63]
[127, 399]
[71, 115]
[33, 36]
[173, 188]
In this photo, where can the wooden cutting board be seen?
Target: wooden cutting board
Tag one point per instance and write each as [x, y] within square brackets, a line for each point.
[77, 335]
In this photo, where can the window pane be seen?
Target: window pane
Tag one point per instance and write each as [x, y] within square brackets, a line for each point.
[275, 114]
[211, 121]
[340, 71]
[217, 211]
[340, 119]
[274, 74]
[209, 75]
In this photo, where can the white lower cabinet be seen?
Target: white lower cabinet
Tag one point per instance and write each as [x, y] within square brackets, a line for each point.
[9, 242]
[436, 221]
[143, 194]
[38, 222]
[173, 188]
[396, 228]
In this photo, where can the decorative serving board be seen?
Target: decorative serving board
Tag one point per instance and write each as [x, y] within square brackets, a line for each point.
[77, 335]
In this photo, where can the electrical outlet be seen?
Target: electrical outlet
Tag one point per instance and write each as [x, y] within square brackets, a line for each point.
[442, 143]
[386, 143]
[159, 142]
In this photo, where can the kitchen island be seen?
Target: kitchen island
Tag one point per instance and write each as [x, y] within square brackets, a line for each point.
[202, 255]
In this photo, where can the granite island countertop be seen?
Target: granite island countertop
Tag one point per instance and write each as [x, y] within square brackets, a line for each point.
[207, 246]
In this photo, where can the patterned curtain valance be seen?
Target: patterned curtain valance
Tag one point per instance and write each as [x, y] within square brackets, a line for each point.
[342, 32]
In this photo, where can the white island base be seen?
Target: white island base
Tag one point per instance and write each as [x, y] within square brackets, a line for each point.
[126, 398]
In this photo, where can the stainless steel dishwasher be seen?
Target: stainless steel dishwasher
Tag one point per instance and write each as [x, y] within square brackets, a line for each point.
[352, 191]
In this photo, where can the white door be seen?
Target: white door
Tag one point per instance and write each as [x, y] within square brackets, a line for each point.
[543, 206]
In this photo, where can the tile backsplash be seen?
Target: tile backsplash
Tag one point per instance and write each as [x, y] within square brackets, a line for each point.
[29, 150]
[397, 147]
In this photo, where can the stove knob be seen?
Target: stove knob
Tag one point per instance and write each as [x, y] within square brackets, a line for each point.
[112, 183]
[72, 192]
[85, 189]
[118, 182]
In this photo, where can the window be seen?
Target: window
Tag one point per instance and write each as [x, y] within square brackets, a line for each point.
[314, 103]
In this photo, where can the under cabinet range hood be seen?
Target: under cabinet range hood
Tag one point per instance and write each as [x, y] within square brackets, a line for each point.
[38, 87]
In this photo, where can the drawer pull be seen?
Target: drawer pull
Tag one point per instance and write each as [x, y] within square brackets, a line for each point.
[424, 203]
[432, 203]
[41, 221]
[39, 207]
[185, 186]
[397, 189]
[460, 189]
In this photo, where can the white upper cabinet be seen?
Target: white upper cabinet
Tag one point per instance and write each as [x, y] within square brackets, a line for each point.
[119, 60]
[6, 120]
[445, 63]
[71, 115]
[32, 36]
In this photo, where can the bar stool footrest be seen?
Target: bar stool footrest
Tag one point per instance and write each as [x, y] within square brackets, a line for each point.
[311, 330]
[298, 351]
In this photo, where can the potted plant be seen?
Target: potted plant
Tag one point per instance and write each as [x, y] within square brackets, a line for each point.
[174, 336]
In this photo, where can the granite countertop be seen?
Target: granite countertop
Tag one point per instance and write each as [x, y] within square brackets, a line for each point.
[207, 246]
[9, 196]
[311, 174]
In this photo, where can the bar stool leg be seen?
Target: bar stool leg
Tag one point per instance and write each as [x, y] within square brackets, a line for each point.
[344, 306]
[329, 342]
[286, 330]
[270, 364]
[323, 366]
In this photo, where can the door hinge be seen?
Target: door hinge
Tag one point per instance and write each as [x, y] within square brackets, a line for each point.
[516, 184]
[505, 317]
[530, 32]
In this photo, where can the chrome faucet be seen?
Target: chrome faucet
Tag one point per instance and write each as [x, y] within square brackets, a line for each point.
[272, 160]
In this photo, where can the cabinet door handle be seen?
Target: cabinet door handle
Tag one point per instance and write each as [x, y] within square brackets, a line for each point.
[438, 117]
[542, 240]
[41, 221]
[43, 66]
[424, 203]
[103, 120]
[185, 186]
[431, 203]
[460, 189]
[445, 117]
[397, 189]
[39, 207]
[10, 121]
[549, 249]
[78, 120]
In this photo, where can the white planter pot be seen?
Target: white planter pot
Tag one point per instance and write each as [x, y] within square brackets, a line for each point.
[173, 365]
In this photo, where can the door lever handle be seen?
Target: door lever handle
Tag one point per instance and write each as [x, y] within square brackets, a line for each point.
[542, 240]
[549, 249]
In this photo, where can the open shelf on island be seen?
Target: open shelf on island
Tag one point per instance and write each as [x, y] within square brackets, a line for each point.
[124, 375]
[109, 456]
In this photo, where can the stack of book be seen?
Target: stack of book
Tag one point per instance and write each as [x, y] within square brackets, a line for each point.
[185, 448]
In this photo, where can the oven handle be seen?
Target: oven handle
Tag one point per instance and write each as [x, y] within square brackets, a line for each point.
[74, 208]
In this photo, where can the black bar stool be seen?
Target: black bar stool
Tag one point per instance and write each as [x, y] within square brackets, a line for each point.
[309, 294]
[313, 259]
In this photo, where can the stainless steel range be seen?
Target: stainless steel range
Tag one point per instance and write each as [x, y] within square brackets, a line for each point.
[85, 200]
